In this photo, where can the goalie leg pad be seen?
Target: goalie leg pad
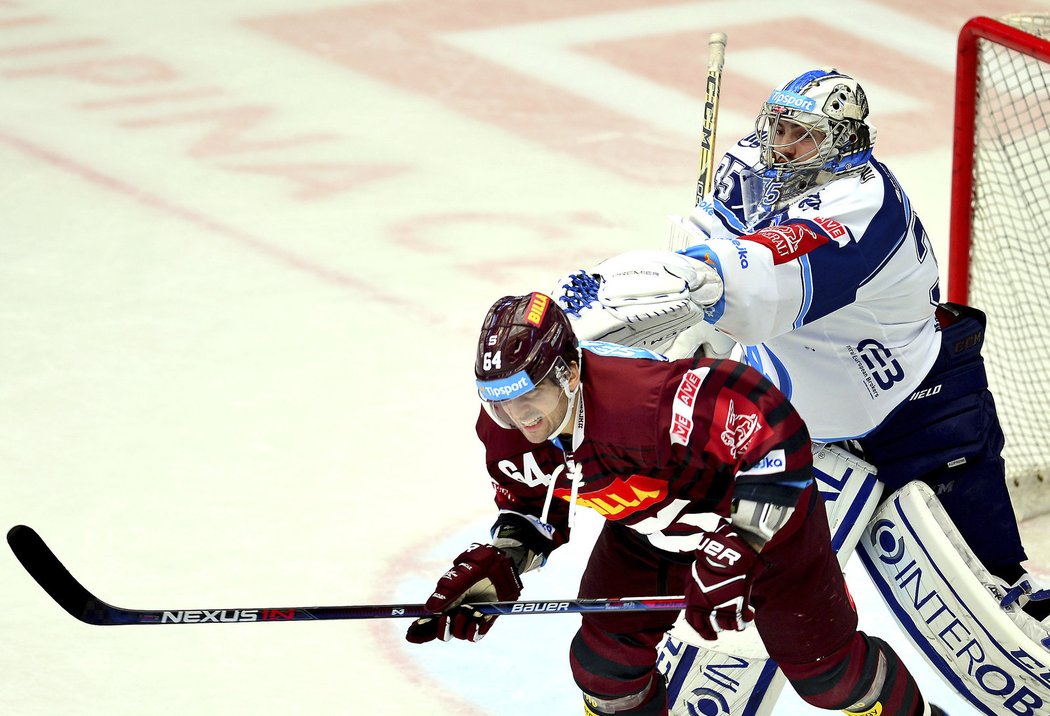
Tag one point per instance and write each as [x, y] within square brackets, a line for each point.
[851, 493]
[949, 606]
[732, 676]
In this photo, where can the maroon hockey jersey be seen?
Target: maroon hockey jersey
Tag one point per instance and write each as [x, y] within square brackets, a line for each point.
[661, 446]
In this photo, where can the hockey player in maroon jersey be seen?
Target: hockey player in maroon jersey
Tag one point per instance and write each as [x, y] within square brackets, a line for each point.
[702, 470]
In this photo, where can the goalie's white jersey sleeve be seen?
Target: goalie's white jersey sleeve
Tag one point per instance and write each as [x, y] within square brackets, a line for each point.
[833, 298]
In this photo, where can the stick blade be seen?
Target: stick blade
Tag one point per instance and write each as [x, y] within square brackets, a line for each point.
[47, 570]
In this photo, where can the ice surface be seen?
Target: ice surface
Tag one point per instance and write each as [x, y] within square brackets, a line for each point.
[246, 247]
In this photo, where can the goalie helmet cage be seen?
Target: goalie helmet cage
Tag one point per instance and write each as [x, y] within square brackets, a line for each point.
[1000, 207]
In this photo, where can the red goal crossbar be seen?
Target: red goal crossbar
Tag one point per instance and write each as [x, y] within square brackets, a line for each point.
[966, 79]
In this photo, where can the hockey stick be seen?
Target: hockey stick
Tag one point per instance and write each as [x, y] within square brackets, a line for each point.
[47, 570]
[716, 48]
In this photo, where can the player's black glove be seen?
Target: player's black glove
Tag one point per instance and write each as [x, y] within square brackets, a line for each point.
[718, 596]
[481, 574]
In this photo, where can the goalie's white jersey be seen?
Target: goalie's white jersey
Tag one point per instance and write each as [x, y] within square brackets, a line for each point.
[833, 297]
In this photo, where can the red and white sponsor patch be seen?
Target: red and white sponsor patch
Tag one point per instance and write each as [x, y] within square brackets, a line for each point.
[739, 430]
[682, 409]
[681, 428]
[688, 387]
[737, 425]
[835, 229]
[789, 241]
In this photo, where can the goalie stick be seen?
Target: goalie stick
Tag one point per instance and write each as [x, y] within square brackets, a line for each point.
[48, 571]
[716, 47]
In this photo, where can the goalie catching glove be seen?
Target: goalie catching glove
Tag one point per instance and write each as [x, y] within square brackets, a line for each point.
[480, 574]
[718, 596]
[639, 298]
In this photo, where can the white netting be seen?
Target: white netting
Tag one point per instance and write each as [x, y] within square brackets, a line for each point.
[1009, 266]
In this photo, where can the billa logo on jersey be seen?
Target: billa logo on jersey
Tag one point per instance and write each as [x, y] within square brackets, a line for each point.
[537, 309]
[789, 241]
[621, 498]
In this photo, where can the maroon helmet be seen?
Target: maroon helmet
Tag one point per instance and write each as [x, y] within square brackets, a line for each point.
[524, 339]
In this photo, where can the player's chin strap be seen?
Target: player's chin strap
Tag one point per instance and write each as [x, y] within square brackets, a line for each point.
[575, 473]
[571, 394]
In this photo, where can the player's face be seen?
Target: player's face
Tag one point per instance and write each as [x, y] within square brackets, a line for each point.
[793, 142]
[538, 413]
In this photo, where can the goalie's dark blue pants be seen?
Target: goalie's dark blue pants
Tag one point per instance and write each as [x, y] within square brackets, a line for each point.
[947, 434]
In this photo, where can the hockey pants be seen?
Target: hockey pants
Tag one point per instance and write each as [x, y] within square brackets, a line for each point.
[947, 434]
[804, 615]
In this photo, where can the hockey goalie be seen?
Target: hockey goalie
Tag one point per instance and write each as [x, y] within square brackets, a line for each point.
[809, 263]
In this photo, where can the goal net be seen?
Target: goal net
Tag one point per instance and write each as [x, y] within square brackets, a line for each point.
[999, 230]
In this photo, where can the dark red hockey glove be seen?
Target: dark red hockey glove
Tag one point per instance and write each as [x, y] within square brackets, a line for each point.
[481, 574]
[718, 595]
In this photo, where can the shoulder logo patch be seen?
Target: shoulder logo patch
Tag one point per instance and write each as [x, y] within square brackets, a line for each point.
[739, 430]
[789, 241]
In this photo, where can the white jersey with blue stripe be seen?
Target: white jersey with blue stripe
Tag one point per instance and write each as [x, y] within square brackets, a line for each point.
[833, 297]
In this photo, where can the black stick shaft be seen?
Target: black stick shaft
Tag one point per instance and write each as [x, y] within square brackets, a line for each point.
[48, 571]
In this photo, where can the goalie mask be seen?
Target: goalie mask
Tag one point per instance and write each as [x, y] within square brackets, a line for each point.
[811, 131]
[523, 367]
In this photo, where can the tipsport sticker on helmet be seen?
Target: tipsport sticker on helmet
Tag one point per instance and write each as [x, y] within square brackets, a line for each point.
[505, 388]
[792, 100]
[537, 309]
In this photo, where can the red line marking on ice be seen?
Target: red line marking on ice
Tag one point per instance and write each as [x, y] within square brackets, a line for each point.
[243, 238]
[393, 647]
[46, 47]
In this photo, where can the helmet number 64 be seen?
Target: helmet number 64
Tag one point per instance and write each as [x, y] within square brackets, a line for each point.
[491, 360]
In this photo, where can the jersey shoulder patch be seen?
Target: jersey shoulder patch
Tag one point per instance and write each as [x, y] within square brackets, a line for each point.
[787, 242]
[736, 425]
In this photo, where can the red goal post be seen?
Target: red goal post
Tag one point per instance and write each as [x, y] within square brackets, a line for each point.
[1000, 229]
